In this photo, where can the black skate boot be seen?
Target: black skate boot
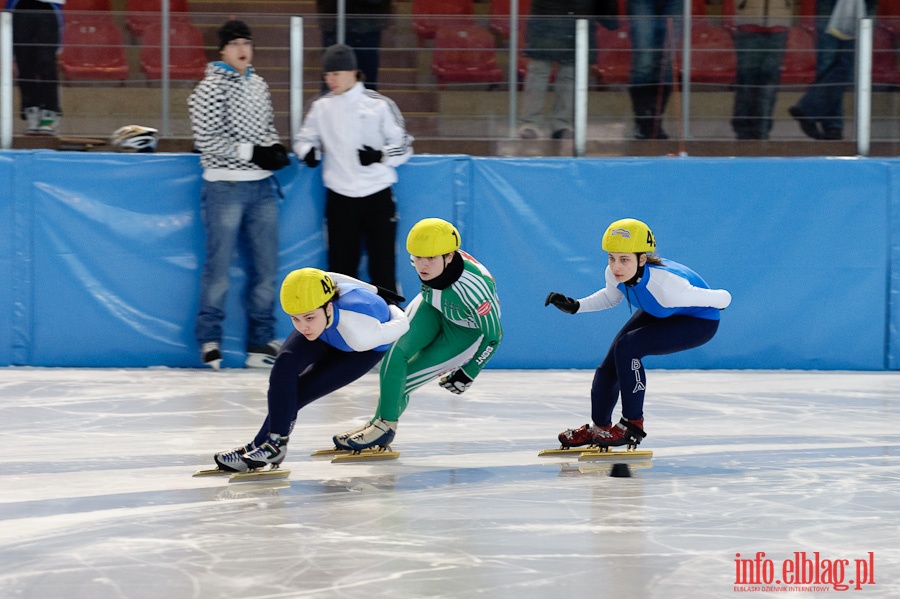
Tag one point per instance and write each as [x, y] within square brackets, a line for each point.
[271, 453]
[626, 432]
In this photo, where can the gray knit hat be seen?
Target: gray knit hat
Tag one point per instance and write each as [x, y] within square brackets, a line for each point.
[339, 57]
[233, 30]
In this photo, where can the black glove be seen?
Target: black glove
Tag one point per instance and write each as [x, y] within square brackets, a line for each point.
[271, 157]
[390, 297]
[566, 304]
[369, 156]
[310, 159]
[456, 382]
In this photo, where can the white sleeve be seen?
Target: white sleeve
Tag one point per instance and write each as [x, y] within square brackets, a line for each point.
[363, 332]
[397, 147]
[672, 291]
[308, 136]
[606, 298]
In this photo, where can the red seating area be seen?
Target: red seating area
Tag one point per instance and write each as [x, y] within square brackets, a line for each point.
[465, 55]
[93, 47]
[187, 59]
[429, 15]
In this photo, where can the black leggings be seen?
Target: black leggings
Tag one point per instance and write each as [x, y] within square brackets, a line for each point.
[303, 372]
[622, 370]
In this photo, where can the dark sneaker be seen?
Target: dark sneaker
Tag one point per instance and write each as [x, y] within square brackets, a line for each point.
[807, 124]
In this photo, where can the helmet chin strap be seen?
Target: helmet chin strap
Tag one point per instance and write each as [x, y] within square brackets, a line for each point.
[637, 275]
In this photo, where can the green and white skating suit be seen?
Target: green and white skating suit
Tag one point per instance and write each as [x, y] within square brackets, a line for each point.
[448, 328]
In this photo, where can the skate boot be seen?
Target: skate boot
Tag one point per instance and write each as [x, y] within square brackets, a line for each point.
[231, 461]
[583, 435]
[271, 453]
[340, 440]
[626, 432]
[379, 433]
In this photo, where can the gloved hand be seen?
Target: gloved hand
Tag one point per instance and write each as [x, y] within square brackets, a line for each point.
[271, 157]
[456, 382]
[369, 156]
[566, 304]
[390, 297]
[310, 159]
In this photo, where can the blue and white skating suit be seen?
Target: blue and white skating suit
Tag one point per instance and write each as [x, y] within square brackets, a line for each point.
[663, 291]
[676, 311]
[363, 327]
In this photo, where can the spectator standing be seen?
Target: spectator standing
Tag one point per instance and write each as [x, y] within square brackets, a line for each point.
[37, 26]
[361, 137]
[650, 80]
[760, 37]
[549, 43]
[365, 21]
[233, 122]
[820, 111]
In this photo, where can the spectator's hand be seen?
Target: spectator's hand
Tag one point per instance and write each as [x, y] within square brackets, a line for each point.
[456, 382]
[369, 156]
[271, 157]
[310, 158]
[390, 297]
[566, 304]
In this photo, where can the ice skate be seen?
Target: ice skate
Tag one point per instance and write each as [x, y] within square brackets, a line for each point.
[583, 435]
[341, 440]
[271, 453]
[211, 354]
[228, 462]
[627, 432]
[262, 356]
[380, 433]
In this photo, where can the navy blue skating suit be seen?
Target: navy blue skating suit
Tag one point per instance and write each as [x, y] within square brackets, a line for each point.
[362, 329]
[676, 310]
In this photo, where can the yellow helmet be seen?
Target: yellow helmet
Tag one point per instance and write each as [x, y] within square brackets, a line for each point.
[629, 236]
[432, 237]
[305, 290]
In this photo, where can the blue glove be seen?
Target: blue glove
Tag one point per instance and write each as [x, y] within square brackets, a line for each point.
[456, 382]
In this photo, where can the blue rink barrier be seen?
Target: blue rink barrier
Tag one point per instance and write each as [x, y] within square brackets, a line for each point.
[100, 254]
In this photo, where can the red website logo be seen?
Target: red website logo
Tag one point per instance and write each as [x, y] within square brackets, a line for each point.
[802, 572]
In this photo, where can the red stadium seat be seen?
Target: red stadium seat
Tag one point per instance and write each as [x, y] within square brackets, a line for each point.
[187, 58]
[799, 66]
[465, 55]
[140, 14]
[885, 53]
[428, 15]
[499, 20]
[713, 58]
[93, 49]
[613, 55]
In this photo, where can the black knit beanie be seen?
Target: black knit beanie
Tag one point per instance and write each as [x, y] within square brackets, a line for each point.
[233, 30]
[339, 58]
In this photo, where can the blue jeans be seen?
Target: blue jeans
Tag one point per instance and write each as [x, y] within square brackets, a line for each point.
[245, 213]
[759, 59]
[835, 74]
[651, 77]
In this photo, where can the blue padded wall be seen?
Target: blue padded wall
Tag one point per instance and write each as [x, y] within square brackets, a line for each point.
[101, 253]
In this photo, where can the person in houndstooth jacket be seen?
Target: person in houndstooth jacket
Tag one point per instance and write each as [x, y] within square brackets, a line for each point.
[233, 124]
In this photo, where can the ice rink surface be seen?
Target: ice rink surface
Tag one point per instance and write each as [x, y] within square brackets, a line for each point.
[97, 498]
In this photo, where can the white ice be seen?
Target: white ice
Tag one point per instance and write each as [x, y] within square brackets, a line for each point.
[97, 500]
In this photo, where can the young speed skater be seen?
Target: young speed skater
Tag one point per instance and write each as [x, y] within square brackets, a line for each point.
[454, 325]
[342, 329]
[676, 310]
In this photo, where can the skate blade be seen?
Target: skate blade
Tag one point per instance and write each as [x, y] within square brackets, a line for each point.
[564, 451]
[366, 455]
[597, 455]
[270, 474]
[319, 453]
[213, 472]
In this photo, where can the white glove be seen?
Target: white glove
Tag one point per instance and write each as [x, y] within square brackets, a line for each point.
[456, 382]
